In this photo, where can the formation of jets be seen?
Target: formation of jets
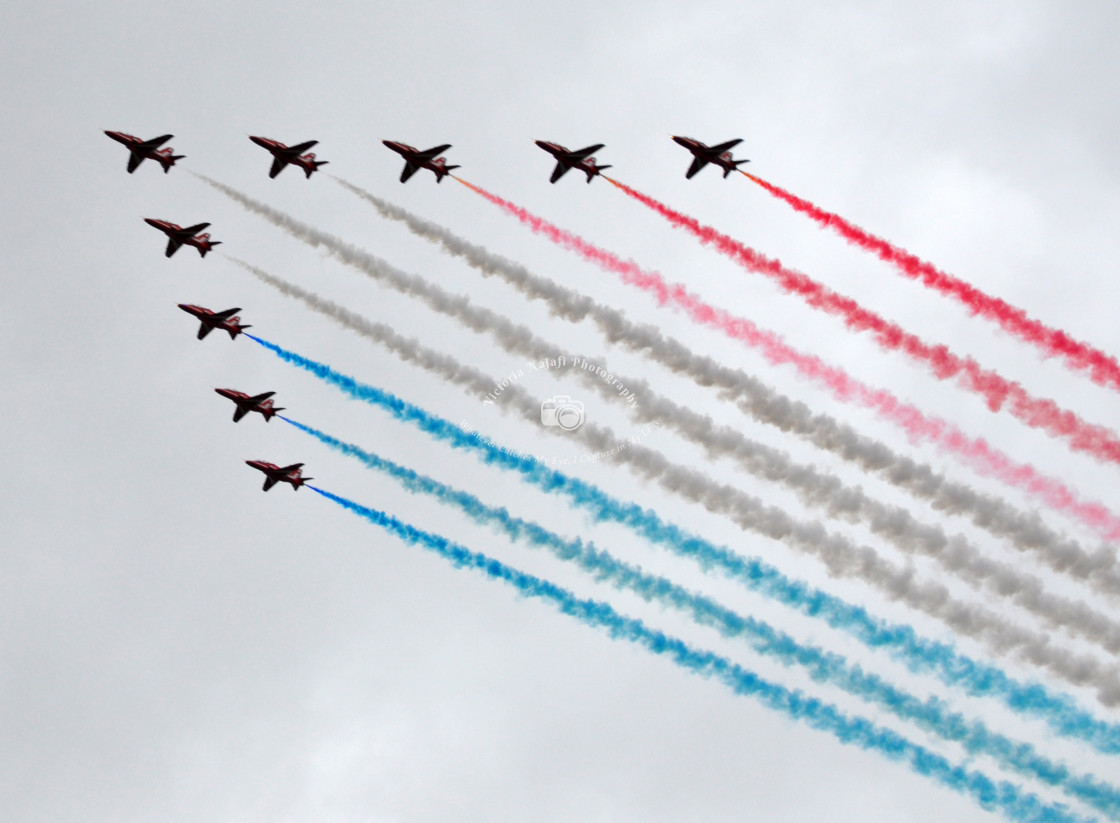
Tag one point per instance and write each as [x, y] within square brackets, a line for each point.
[299, 156]
[415, 159]
[178, 236]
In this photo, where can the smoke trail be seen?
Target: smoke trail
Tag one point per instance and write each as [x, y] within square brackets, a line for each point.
[1103, 368]
[839, 555]
[921, 656]
[997, 391]
[1007, 797]
[1026, 532]
[931, 715]
[955, 554]
[975, 452]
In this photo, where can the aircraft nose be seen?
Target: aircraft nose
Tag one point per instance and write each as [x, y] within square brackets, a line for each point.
[151, 222]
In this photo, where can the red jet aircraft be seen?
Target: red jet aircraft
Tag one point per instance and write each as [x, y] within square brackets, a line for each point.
[283, 155]
[178, 236]
[703, 155]
[580, 159]
[245, 403]
[414, 160]
[276, 474]
[141, 150]
[216, 320]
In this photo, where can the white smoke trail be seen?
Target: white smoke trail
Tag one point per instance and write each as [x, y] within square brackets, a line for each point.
[840, 555]
[1026, 532]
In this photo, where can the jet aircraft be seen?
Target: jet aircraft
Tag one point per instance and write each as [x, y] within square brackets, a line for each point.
[283, 155]
[703, 155]
[178, 236]
[580, 159]
[275, 474]
[141, 150]
[245, 404]
[414, 160]
[210, 320]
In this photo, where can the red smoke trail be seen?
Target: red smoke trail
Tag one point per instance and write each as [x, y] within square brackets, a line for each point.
[1103, 368]
[977, 453]
[997, 391]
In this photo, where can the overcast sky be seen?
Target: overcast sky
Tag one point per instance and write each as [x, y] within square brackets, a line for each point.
[176, 645]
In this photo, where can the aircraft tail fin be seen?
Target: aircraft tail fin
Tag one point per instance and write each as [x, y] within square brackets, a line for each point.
[314, 167]
[168, 162]
[271, 412]
[733, 167]
[209, 247]
[598, 170]
[446, 170]
[234, 332]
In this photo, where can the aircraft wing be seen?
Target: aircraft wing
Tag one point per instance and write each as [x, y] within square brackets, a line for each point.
[173, 245]
[432, 152]
[238, 413]
[698, 163]
[191, 231]
[409, 170]
[583, 154]
[226, 315]
[558, 172]
[155, 142]
[134, 160]
[722, 147]
[302, 147]
[278, 164]
[204, 330]
[261, 397]
[292, 467]
[269, 482]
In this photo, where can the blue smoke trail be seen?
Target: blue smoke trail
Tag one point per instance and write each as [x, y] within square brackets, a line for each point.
[902, 642]
[933, 714]
[1014, 802]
